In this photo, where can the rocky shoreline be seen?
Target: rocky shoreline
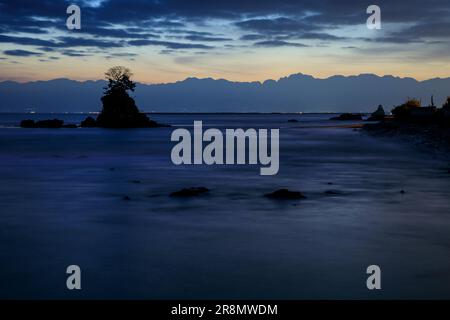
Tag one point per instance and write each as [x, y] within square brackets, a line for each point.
[432, 137]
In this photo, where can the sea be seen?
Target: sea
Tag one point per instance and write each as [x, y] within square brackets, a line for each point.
[369, 201]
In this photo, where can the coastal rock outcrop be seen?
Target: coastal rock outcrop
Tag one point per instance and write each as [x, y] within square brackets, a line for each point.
[378, 115]
[119, 109]
[426, 126]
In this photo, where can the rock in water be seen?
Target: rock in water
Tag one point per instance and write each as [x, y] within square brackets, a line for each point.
[285, 194]
[190, 192]
[89, 122]
[348, 117]
[120, 111]
[52, 124]
[378, 115]
[47, 124]
[27, 124]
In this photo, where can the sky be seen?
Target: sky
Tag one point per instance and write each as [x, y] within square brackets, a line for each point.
[240, 40]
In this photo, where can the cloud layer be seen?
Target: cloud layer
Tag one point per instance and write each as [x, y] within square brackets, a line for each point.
[111, 28]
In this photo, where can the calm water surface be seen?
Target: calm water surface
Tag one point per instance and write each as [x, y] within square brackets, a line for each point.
[61, 196]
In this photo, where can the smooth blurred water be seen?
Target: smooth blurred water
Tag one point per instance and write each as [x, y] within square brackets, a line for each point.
[61, 197]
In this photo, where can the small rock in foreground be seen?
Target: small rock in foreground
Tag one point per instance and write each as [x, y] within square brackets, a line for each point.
[190, 192]
[89, 122]
[333, 192]
[285, 194]
[48, 124]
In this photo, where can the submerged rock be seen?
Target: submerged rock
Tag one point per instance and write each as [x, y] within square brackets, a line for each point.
[190, 192]
[293, 120]
[52, 124]
[348, 117]
[285, 194]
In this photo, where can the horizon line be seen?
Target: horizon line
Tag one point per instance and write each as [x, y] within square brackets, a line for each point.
[231, 81]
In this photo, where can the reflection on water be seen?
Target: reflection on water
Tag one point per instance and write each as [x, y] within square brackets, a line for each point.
[62, 191]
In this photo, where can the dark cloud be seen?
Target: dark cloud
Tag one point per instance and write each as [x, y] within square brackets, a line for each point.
[278, 43]
[21, 53]
[168, 44]
[25, 41]
[74, 53]
[118, 23]
[205, 39]
[61, 42]
[283, 29]
[423, 32]
[253, 37]
[280, 25]
[65, 42]
[123, 33]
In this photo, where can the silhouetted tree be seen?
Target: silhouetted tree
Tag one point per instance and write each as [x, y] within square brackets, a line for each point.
[119, 80]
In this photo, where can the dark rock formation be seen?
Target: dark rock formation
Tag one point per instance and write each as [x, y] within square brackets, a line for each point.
[48, 124]
[190, 192]
[378, 115]
[27, 124]
[348, 117]
[89, 122]
[412, 111]
[293, 120]
[52, 124]
[120, 111]
[285, 194]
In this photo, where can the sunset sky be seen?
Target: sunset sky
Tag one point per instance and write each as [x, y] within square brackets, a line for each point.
[169, 40]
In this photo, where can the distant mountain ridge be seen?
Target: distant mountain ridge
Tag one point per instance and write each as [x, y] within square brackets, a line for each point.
[294, 93]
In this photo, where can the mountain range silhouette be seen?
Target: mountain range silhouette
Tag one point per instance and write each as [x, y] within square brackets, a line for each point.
[295, 93]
